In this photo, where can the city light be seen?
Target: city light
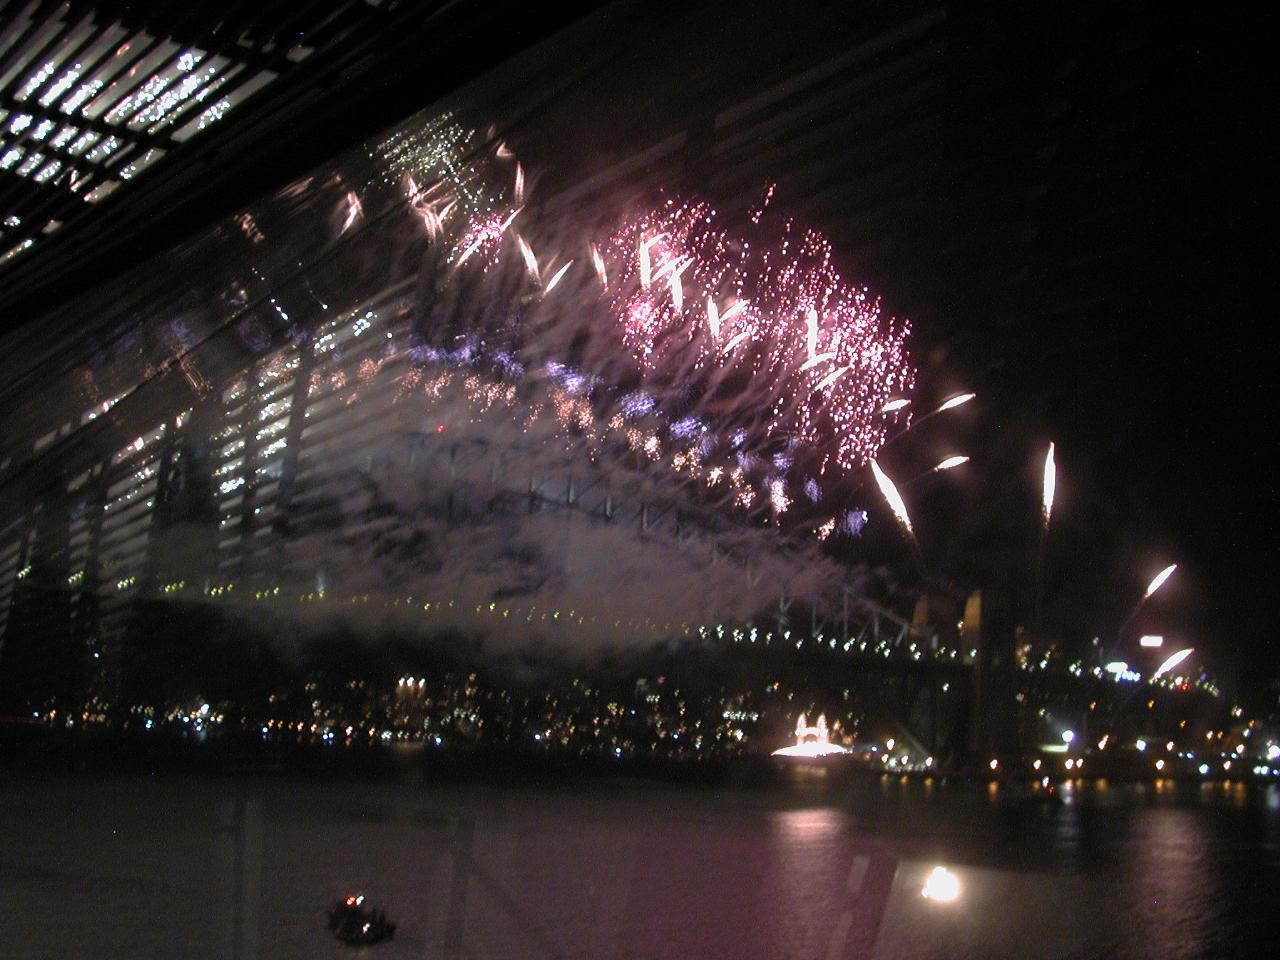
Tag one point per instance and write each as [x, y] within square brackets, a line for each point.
[1068, 736]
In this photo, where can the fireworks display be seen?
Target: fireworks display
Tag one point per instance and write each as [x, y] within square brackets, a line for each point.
[697, 302]
[677, 365]
[746, 352]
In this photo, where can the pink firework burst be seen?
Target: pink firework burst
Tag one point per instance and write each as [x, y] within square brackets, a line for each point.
[767, 315]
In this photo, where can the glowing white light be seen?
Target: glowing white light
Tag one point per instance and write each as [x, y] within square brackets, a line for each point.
[646, 264]
[892, 496]
[1068, 736]
[1159, 579]
[1172, 662]
[816, 359]
[551, 284]
[950, 462]
[354, 211]
[598, 262]
[530, 261]
[1050, 483]
[1150, 640]
[1141, 745]
[811, 332]
[677, 288]
[941, 885]
[893, 405]
[734, 309]
[831, 378]
[811, 741]
[1116, 666]
[956, 401]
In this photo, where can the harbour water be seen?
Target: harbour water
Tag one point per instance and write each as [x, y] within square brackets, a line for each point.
[150, 867]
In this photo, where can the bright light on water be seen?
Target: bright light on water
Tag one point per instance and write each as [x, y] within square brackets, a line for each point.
[941, 885]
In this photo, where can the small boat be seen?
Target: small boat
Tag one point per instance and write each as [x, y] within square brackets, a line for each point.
[1043, 793]
[1046, 792]
[358, 925]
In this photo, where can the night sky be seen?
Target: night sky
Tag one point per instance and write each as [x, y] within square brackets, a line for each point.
[1069, 208]
[1115, 311]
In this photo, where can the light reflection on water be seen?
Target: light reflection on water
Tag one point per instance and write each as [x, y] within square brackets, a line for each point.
[1119, 870]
